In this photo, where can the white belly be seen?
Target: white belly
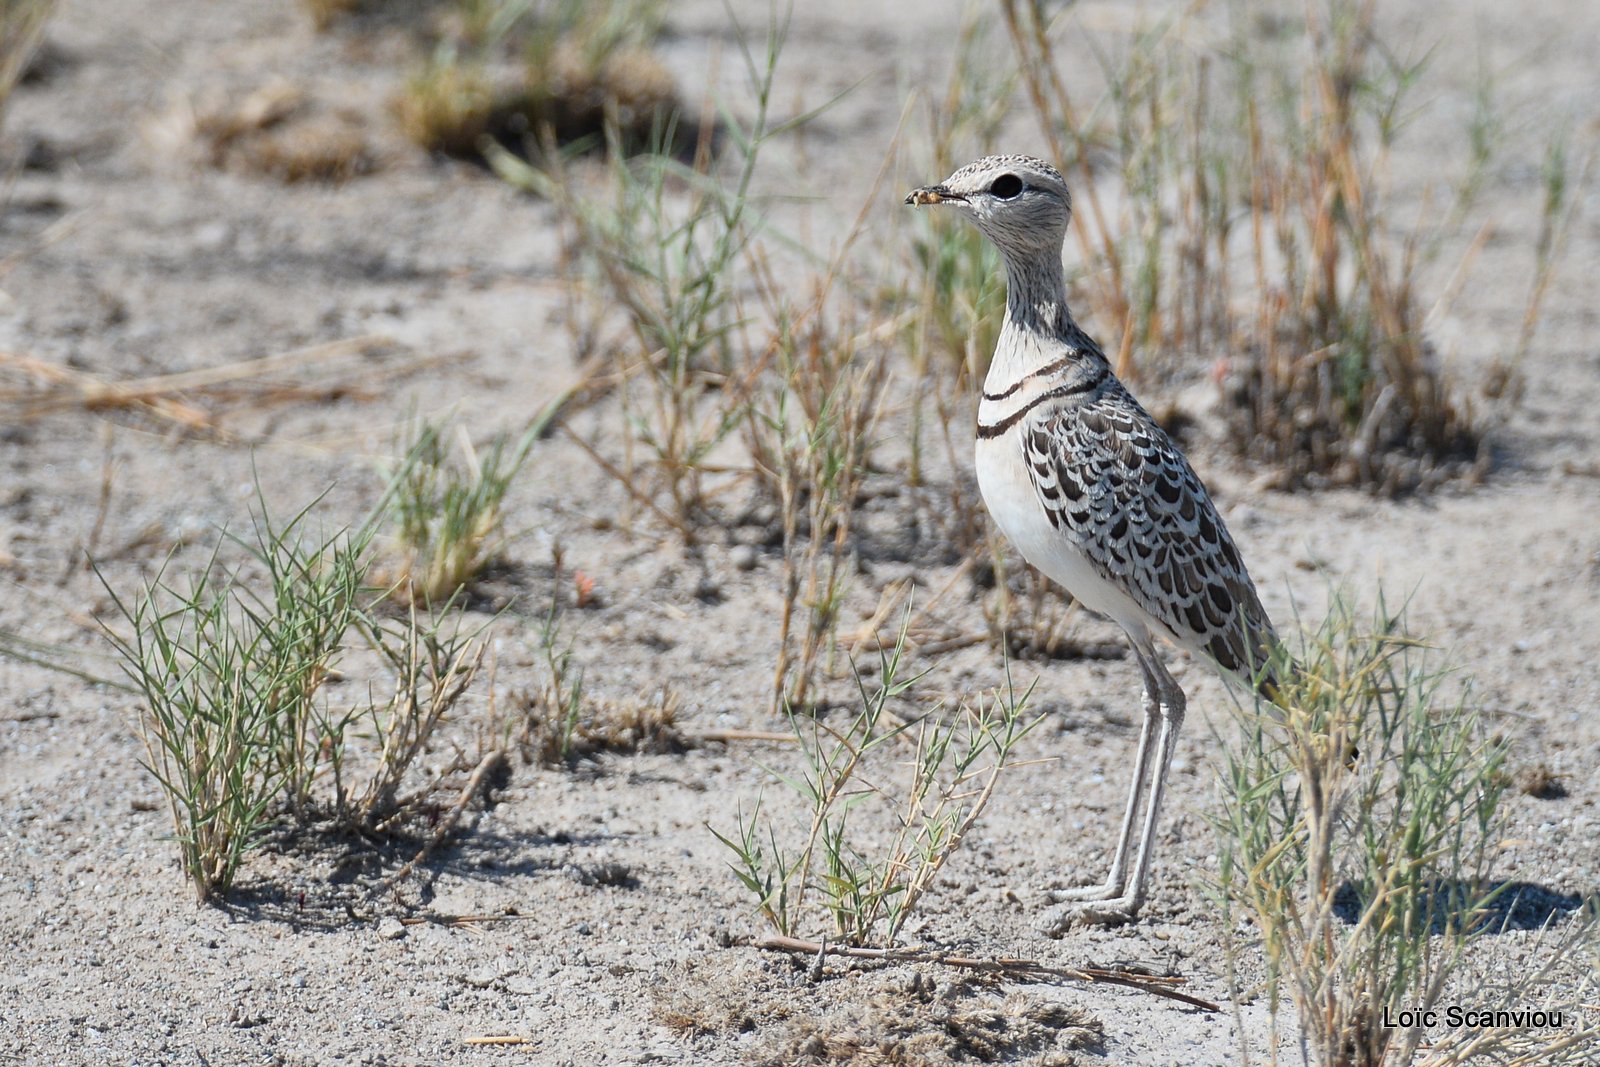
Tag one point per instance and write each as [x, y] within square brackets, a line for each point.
[1013, 502]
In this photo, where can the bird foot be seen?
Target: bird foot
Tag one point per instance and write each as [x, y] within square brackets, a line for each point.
[1056, 921]
[1105, 891]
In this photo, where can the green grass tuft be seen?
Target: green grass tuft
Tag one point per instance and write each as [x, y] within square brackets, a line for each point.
[868, 875]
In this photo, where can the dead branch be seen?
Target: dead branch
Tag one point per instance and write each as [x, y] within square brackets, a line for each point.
[1021, 969]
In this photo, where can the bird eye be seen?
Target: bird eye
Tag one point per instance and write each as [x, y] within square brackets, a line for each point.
[1006, 186]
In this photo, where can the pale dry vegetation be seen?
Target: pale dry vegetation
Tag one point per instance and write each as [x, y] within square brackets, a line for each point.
[1253, 231]
[279, 132]
[528, 77]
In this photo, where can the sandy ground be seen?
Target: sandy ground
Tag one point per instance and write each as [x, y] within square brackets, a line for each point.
[119, 256]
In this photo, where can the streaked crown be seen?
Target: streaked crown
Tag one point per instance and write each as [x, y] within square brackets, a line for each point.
[1020, 203]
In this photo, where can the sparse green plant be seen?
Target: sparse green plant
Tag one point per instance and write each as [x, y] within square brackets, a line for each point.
[1560, 175]
[448, 508]
[869, 881]
[551, 714]
[317, 585]
[1357, 835]
[812, 388]
[22, 25]
[208, 680]
[667, 265]
[701, 362]
[664, 248]
[232, 723]
[433, 662]
[233, 670]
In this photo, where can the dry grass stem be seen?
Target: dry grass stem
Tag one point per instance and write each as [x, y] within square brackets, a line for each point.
[188, 399]
[22, 24]
[1326, 370]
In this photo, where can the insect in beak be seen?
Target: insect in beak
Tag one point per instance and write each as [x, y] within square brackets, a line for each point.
[933, 194]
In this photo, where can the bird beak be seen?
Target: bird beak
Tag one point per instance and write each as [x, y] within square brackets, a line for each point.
[933, 194]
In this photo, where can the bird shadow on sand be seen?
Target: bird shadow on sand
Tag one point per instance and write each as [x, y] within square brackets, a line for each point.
[1511, 905]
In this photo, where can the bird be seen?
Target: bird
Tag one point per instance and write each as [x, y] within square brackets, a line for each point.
[1094, 493]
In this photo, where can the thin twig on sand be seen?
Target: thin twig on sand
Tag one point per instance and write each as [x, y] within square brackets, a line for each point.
[498, 1039]
[487, 767]
[1155, 985]
[745, 735]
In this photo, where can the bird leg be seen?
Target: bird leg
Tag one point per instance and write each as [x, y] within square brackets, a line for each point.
[1172, 710]
[1124, 904]
[1117, 880]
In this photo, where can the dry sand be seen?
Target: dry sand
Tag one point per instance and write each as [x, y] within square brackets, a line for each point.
[122, 256]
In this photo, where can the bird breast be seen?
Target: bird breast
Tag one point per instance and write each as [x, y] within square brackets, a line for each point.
[1012, 500]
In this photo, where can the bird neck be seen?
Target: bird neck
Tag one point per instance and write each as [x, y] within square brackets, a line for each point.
[1036, 294]
[1039, 328]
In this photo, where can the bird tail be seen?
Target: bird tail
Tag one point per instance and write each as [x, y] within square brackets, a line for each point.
[1276, 681]
[1282, 680]
[1269, 667]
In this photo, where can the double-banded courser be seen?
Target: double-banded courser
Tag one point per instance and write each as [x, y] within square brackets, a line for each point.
[1094, 494]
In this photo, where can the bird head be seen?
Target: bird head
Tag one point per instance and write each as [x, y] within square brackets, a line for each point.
[1019, 202]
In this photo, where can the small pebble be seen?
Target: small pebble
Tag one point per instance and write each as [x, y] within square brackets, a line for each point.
[743, 557]
[482, 978]
[391, 929]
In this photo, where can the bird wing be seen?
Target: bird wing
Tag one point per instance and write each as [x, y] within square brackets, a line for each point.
[1112, 481]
